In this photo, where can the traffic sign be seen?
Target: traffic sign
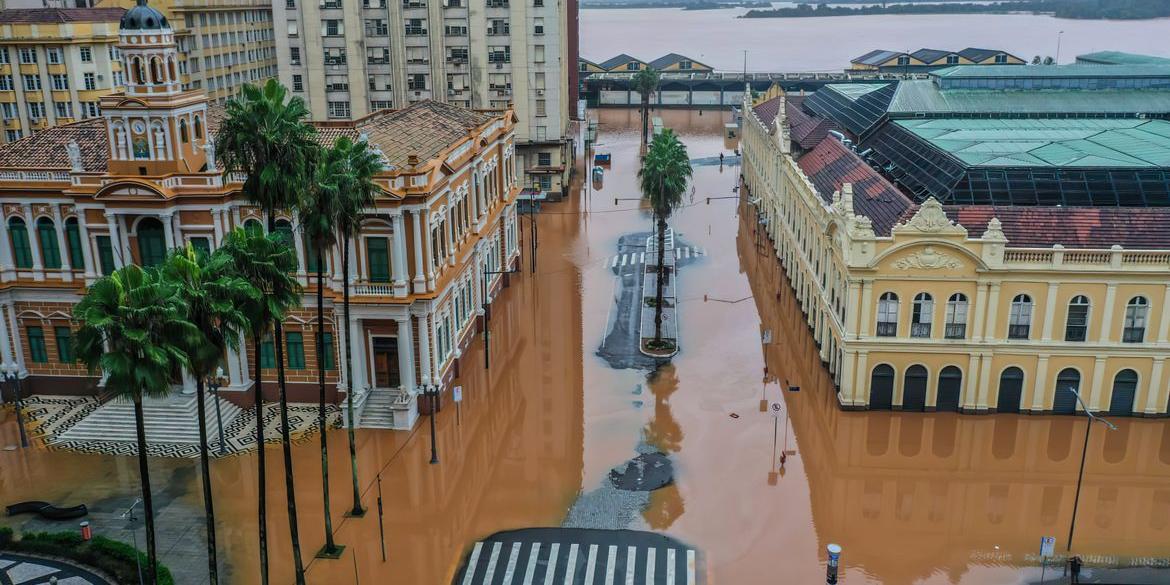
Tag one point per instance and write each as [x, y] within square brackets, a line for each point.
[1047, 546]
[776, 409]
[458, 393]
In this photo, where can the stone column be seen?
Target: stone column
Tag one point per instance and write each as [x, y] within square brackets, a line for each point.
[1049, 312]
[1154, 395]
[1108, 309]
[972, 391]
[449, 229]
[991, 318]
[91, 269]
[235, 379]
[424, 348]
[217, 227]
[420, 279]
[1040, 387]
[115, 240]
[7, 264]
[977, 317]
[398, 263]
[861, 328]
[168, 230]
[299, 245]
[34, 242]
[177, 228]
[14, 333]
[1164, 318]
[985, 381]
[405, 354]
[431, 264]
[124, 240]
[1094, 392]
[6, 356]
[858, 392]
[62, 245]
[358, 341]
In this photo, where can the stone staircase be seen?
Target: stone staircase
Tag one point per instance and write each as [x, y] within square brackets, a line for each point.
[171, 419]
[388, 409]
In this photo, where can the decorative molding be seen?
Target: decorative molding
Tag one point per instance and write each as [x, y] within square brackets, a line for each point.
[930, 219]
[928, 259]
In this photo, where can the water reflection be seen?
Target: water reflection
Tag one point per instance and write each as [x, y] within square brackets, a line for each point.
[663, 431]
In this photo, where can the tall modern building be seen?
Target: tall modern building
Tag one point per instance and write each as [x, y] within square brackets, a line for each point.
[349, 59]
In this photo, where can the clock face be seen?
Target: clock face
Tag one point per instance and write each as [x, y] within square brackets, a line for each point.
[139, 126]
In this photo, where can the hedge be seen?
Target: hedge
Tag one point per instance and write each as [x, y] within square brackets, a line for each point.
[109, 556]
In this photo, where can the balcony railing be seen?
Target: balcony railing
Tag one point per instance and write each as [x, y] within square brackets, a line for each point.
[1019, 331]
[887, 329]
[920, 330]
[384, 289]
[1133, 335]
[956, 331]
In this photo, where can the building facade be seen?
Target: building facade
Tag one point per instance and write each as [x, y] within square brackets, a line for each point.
[917, 306]
[55, 64]
[81, 200]
[884, 61]
[348, 59]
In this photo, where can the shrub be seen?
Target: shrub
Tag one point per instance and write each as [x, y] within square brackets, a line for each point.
[117, 559]
[5, 537]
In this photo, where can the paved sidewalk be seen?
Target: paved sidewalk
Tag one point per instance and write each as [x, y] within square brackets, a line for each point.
[22, 570]
[1104, 576]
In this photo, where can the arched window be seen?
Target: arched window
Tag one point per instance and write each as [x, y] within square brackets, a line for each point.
[881, 387]
[950, 389]
[887, 316]
[156, 71]
[285, 231]
[152, 248]
[139, 72]
[254, 226]
[47, 238]
[956, 326]
[1068, 384]
[21, 250]
[73, 240]
[1124, 390]
[172, 69]
[914, 389]
[183, 131]
[1136, 313]
[1076, 326]
[921, 315]
[1011, 390]
[198, 128]
[1020, 320]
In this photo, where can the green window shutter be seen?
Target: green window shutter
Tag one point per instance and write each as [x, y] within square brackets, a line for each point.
[105, 254]
[267, 353]
[47, 237]
[21, 250]
[36, 345]
[311, 256]
[296, 351]
[327, 361]
[64, 344]
[379, 259]
[152, 248]
[285, 231]
[73, 239]
[254, 227]
[201, 245]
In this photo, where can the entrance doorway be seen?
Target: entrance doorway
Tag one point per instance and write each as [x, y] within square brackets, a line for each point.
[386, 374]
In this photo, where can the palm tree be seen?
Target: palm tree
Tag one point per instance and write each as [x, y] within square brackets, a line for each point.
[212, 295]
[265, 136]
[317, 221]
[645, 82]
[266, 262]
[355, 194]
[134, 329]
[663, 180]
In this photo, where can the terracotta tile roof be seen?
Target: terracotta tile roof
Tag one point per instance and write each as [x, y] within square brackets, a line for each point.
[46, 149]
[51, 15]
[831, 165]
[766, 111]
[1071, 227]
[806, 129]
[424, 129]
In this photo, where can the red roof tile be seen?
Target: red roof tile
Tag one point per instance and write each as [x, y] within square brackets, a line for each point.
[1071, 227]
[50, 15]
[806, 129]
[46, 149]
[766, 111]
[831, 165]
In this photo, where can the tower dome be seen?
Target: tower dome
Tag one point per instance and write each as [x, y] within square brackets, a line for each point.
[143, 18]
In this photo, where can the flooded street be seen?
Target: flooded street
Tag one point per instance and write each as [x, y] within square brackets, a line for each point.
[912, 498]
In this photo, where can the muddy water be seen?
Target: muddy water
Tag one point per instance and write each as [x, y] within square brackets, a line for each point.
[929, 498]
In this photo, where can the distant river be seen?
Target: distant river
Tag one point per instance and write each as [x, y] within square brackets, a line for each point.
[717, 37]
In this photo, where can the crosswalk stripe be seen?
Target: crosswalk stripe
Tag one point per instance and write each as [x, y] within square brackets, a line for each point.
[528, 574]
[472, 563]
[670, 566]
[491, 568]
[589, 568]
[642, 259]
[614, 263]
[624, 259]
[691, 567]
[511, 570]
[650, 565]
[610, 564]
[552, 563]
[631, 560]
[572, 568]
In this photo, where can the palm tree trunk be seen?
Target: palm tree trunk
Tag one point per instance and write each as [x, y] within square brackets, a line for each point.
[205, 465]
[357, 496]
[147, 500]
[661, 277]
[262, 484]
[330, 547]
[286, 436]
[645, 118]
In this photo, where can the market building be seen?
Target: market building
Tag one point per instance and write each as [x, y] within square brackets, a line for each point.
[83, 199]
[962, 243]
[885, 61]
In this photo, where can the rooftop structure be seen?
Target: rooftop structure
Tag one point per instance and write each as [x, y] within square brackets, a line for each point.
[623, 62]
[1120, 58]
[883, 60]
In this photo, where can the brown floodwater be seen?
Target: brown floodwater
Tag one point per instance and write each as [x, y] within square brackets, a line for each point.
[912, 498]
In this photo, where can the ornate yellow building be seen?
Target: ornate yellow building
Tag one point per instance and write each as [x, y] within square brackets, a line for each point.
[81, 200]
[961, 307]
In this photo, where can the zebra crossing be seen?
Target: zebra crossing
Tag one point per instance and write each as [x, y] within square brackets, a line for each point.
[587, 562]
[635, 258]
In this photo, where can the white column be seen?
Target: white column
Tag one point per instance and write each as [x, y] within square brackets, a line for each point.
[124, 240]
[299, 244]
[449, 224]
[356, 272]
[1154, 388]
[168, 229]
[405, 354]
[1049, 312]
[1164, 318]
[7, 265]
[217, 227]
[424, 348]
[34, 242]
[235, 379]
[1040, 388]
[91, 270]
[1108, 310]
[1096, 390]
[14, 332]
[339, 331]
[177, 228]
[335, 253]
[399, 251]
[429, 252]
[115, 241]
[188, 383]
[5, 347]
[358, 342]
[62, 246]
[420, 279]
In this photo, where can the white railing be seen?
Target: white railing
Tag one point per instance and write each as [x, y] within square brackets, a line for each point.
[34, 176]
[384, 289]
[1114, 258]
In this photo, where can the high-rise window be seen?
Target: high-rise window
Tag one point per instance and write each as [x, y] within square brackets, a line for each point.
[956, 324]
[1020, 319]
[1076, 325]
[298, 82]
[338, 109]
[86, 54]
[887, 315]
[28, 55]
[1136, 313]
[90, 80]
[921, 315]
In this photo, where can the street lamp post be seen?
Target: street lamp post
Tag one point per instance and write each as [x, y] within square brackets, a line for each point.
[487, 313]
[214, 383]
[1084, 450]
[433, 393]
[12, 372]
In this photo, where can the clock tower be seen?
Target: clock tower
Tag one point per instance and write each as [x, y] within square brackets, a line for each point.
[156, 128]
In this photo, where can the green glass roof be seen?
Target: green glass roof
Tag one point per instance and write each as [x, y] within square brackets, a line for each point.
[923, 96]
[855, 91]
[1041, 71]
[1096, 143]
[1121, 58]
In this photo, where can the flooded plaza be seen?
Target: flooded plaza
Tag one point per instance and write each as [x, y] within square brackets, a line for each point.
[934, 498]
